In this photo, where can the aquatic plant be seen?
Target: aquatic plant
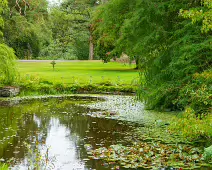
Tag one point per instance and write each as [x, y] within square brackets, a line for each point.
[38, 156]
[149, 155]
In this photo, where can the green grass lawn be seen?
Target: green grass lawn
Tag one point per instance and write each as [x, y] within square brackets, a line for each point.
[80, 71]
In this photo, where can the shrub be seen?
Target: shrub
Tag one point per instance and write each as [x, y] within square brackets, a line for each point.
[106, 83]
[198, 93]
[192, 127]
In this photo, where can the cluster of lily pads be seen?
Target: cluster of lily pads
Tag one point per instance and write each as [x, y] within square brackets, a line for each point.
[155, 147]
[149, 155]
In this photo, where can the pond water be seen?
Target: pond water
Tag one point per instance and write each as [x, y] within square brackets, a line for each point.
[56, 133]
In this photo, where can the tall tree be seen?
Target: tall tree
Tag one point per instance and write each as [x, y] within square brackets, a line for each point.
[171, 50]
[70, 27]
[25, 27]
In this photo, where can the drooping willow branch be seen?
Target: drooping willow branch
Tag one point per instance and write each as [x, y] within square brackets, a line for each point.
[8, 72]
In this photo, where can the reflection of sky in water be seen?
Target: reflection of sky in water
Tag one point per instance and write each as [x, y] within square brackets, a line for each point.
[62, 148]
[37, 120]
[64, 128]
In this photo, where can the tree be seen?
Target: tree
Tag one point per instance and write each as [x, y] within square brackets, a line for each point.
[171, 50]
[203, 13]
[25, 27]
[70, 29]
[7, 57]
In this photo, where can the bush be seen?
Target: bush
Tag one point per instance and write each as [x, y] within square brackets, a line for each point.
[81, 50]
[197, 94]
[106, 83]
[32, 84]
[192, 127]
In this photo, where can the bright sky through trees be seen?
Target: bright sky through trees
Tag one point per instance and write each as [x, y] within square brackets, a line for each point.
[54, 1]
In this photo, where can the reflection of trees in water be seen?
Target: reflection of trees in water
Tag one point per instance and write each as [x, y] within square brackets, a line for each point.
[20, 125]
[8, 127]
[92, 130]
[31, 122]
[26, 123]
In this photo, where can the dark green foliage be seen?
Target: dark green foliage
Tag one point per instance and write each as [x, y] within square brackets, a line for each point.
[81, 49]
[26, 28]
[70, 31]
[107, 21]
[171, 49]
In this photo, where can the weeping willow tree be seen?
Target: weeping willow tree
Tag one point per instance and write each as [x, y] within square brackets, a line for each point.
[7, 69]
[7, 56]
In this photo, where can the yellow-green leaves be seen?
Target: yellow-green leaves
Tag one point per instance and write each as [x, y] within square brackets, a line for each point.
[3, 4]
[204, 15]
[7, 70]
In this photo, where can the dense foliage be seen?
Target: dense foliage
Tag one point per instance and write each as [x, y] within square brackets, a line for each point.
[171, 41]
[174, 54]
[38, 30]
[7, 57]
[7, 60]
[70, 30]
[26, 28]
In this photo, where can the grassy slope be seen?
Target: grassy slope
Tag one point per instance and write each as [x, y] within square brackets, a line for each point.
[82, 71]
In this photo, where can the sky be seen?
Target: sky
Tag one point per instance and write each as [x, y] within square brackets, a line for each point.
[54, 1]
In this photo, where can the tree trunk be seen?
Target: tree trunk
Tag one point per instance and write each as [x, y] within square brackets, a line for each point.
[137, 62]
[91, 50]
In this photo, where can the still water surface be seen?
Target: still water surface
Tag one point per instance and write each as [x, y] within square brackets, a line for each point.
[55, 131]
[52, 133]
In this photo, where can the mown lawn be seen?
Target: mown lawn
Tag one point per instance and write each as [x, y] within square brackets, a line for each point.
[80, 71]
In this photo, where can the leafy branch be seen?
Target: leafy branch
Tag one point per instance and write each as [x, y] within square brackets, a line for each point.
[204, 15]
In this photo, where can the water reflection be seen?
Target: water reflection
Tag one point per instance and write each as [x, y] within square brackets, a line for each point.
[52, 134]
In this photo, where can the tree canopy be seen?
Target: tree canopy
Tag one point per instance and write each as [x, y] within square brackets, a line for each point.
[172, 50]
[70, 30]
[26, 29]
[170, 39]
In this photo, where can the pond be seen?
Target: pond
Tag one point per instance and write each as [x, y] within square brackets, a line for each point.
[64, 132]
